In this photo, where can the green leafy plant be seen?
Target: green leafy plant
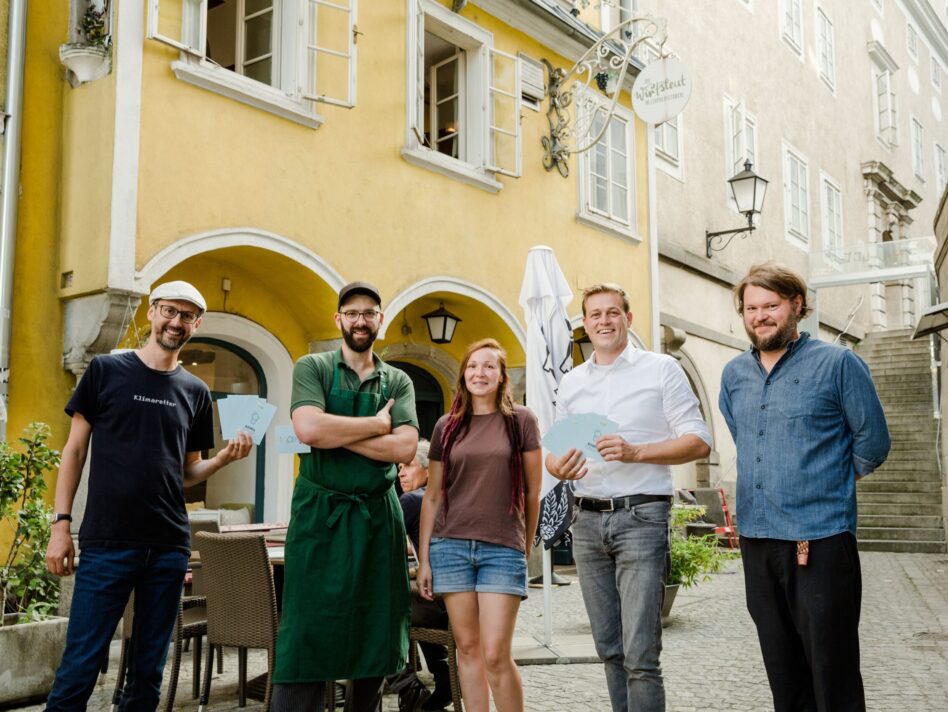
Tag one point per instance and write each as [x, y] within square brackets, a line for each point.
[94, 25]
[692, 558]
[26, 587]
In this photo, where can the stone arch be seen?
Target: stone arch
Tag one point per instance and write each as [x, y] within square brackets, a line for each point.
[431, 285]
[185, 248]
[277, 365]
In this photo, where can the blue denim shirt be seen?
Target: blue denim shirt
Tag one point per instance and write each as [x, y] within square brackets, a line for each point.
[803, 432]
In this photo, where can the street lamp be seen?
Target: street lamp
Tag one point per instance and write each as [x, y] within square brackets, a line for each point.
[748, 190]
[441, 324]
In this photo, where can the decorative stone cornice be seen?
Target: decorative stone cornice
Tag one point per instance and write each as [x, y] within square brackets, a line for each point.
[95, 324]
[879, 176]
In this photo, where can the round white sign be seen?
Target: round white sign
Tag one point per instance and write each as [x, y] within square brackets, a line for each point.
[661, 90]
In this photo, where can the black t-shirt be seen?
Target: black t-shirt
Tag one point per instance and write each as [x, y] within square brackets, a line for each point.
[411, 512]
[143, 422]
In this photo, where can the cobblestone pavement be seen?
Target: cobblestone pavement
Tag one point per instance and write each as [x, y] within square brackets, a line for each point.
[711, 658]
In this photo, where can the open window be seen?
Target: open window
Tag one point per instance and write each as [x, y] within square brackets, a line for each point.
[305, 50]
[464, 98]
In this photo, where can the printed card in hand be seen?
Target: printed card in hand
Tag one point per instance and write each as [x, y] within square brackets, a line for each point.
[579, 431]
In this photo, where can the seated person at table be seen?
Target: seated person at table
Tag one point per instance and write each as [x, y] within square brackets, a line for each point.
[424, 614]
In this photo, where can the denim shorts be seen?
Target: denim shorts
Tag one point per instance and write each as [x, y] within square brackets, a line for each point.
[459, 565]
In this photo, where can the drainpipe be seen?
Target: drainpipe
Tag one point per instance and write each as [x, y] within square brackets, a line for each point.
[10, 189]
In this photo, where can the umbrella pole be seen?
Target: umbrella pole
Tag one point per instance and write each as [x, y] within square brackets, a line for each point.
[547, 596]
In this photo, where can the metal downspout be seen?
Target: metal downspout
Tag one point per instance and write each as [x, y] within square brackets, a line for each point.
[10, 190]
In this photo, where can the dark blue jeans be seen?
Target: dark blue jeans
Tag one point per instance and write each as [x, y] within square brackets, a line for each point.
[104, 580]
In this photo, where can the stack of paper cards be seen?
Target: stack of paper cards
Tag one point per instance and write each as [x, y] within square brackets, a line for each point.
[287, 442]
[252, 414]
[581, 432]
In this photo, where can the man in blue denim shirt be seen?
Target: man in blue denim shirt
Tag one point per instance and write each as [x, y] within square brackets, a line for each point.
[807, 423]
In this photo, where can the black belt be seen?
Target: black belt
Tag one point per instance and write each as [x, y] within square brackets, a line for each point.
[609, 505]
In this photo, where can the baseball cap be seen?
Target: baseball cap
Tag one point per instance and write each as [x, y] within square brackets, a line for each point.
[178, 290]
[354, 288]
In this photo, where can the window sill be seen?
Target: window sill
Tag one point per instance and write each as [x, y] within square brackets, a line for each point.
[797, 240]
[226, 83]
[599, 223]
[451, 167]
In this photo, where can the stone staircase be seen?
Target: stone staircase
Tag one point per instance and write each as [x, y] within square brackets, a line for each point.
[900, 506]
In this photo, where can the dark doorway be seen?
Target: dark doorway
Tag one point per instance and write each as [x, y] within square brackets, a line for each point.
[429, 401]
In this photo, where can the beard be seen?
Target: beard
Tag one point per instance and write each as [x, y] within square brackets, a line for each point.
[363, 331]
[779, 339]
[171, 342]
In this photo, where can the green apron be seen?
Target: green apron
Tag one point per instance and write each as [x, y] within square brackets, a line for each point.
[346, 608]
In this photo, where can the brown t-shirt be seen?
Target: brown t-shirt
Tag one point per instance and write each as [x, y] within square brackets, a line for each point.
[479, 492]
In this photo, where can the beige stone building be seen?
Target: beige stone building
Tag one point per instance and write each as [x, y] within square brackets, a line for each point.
[839, 105]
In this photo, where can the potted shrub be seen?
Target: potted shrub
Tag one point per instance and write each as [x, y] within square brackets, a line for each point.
[91, 57]
[692, 558]
[31, 637]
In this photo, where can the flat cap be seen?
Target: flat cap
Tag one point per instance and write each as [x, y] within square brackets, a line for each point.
[354, 288]
[178, 291]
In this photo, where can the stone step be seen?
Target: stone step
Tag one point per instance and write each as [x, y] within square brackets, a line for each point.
[904, 547]
[881, 486]
[908, 521]
[901, 533]
[899, 478]
[881, 503]
[897, 502]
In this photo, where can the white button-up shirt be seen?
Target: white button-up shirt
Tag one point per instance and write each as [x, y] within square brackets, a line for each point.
[650, 398]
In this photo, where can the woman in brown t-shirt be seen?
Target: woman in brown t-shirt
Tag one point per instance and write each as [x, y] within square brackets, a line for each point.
[477, 522]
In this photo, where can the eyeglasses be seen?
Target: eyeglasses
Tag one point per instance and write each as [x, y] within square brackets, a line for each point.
[352, 315]
[169, 312]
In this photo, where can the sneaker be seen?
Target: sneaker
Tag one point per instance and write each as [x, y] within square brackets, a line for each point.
[412, 699]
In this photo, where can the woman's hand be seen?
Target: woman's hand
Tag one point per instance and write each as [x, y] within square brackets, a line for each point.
[423, 579]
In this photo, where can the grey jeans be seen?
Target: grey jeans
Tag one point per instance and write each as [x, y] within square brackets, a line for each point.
[621, 558]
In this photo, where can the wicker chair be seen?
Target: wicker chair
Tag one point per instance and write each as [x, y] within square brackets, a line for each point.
[241, 604]
[441, 637]
[191, 623]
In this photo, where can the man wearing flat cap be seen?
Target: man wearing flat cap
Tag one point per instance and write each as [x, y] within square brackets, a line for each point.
[345, 595]
[147, 420]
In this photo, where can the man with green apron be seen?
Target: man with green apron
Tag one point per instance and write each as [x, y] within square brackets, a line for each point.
[345, 595]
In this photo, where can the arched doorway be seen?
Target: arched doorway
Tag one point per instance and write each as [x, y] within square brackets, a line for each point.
[228, 369]
[429, 400]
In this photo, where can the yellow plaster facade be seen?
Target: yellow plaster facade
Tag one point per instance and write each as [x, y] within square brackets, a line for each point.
[141, 177]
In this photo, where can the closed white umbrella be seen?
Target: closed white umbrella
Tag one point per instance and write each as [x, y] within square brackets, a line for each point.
[544, 296]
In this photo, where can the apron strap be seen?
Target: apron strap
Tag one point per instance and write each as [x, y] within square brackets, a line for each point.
[383, 381]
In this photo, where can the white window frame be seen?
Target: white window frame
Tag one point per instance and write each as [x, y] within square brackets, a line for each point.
[911, 41]
[885, 104]
[941, 169]
[936, 71]
[825, 49]
[669, 148]
[832, 224]
[611, 14]
[294, 96]
[918, 148]
[586, 213]
[796, 234]
[735, 112]
[478, 167]
[792, 31]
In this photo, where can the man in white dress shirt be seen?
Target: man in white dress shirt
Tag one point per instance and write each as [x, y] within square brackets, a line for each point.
[620, 536]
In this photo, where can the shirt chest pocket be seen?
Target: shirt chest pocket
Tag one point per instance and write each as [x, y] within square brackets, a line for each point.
[793, 399]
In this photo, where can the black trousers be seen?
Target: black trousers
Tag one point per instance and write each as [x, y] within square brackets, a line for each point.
[361, 696]
[807, 621]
